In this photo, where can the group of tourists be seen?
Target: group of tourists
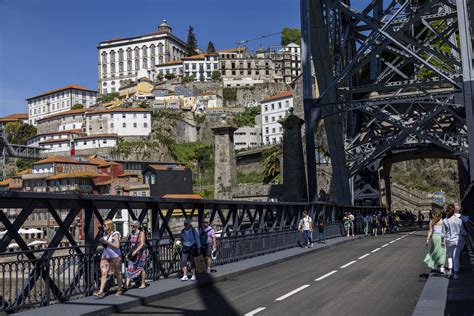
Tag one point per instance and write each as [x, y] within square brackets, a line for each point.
[446, 238]
[370, 224]
[306, 227]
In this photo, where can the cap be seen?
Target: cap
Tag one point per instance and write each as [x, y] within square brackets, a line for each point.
[134, 223]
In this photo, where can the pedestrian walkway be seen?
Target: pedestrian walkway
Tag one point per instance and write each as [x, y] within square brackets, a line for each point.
[168, 287]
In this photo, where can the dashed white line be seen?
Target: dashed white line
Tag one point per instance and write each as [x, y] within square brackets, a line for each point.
[292, 292]
[375, 250]
[383, 246]
[255, 311]
[362, 257]
[348, 264]
[392, 241]
[398, 238]
[325, 276]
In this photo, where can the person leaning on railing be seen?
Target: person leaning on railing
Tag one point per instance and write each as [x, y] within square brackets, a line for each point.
[111, 258]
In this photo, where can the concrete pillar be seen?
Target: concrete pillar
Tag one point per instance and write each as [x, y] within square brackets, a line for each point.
[294, 183]
[225, 174]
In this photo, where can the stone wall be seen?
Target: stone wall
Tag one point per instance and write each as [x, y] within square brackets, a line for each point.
[257, 192]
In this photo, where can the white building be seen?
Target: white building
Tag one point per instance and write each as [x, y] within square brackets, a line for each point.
[69, 134]
[119, 121]
[122, 59]
[174, 67]
[59, 100]
[247, 137]
[287, 61]
[274, 109]
[200, 66]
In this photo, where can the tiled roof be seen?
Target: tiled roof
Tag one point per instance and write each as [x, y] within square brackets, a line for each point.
[14, 117]
[167, 167]
[78, 174]
[26, 171]
[71, 86]
[62, 159]
[96, 136]
[65, 113]
[69, 131]
[170, 63]
[198, 56]
[109, 163]
[5, 182]
[182, 196]
[118, 110]
[96, 160]
[127, 174]
[51, 141]
[281, 95]
[103, 183]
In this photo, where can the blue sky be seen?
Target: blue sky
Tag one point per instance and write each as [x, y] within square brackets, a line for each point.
[47, 44]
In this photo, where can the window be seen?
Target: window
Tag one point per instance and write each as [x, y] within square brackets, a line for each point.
[137, 52]
[111, 125]
[152, 50]
[137, 64]
[85, 143]
[145, 63]
[279, 105]
[273, 106]
[266, 119]
[135, 125]
[129, 65]
[123, 115]
[145, 115]
[144, 51]
[152, 180]
[134, 115]
[120, 52]
[121, 67]
[129, 53]
[124, 124]
[112, 68]
[104, 141]
[273, 119]
[267, 130]
[145, 125]
[104, 57]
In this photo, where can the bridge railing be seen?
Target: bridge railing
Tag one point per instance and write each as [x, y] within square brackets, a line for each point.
[41, 277]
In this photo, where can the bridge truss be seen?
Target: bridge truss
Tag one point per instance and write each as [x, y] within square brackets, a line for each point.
[396, 80]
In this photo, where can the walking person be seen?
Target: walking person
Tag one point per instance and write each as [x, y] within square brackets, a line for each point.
[321, 226]
[366, 224]
[375, 225]
[383, 224]
[306, 227]
[111, 258]
[420, 219]
[453, 231]
[437, 255]
[351, 219]
[191, 245]
[346, 222]
[208, 242]
[137, 255]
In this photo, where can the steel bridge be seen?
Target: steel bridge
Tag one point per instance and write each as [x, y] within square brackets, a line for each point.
[397, 83]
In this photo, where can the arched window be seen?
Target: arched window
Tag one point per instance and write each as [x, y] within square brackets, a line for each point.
[137, 52]
[160, 48]
[129, 53]
[152, 50]
[104, 57]
[152, 62]
[129, 65]
[144, 51]
[112, 56]
[137, 64]
[121, 67]
[120, 53]
[145, 63]
[112, 68]
[104, 69]
[161, 59]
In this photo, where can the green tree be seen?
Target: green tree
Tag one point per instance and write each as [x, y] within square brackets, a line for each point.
[210, 48]
[289, 35]
[191, 44]
[247, 118]
[229, 94]
[216, 76]
[187, 79]
[170, 76]
[109, 97]
[18, 133]
[159, 77]
[77, 106]
[271, 163]
[144, 105]
[24, 163]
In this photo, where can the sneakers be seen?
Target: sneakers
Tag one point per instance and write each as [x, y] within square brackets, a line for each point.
[455, 276]
[208, 270]
[193, 278]
[185, 278]
[311, 245]
[441, 270]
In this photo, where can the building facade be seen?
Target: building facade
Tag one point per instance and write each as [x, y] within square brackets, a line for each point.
[287, 62]
[59, 100]
[120, 121]
[274, 109]
[248, 70]
[123, 59]
[247, 137]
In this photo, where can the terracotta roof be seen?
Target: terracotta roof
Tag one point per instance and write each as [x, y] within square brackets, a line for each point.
[167, 167]
[182, 196]
[281, 95]
[78, 174]
[199, 56]
[62, 159]
[65, 113]
[50, 141]
[170, 63]
[17, 185]
[230, 50]
[103, 183]
[96, 160]
[71, 86]
[109, 163]
[119, 110]
[14, 117]
[97, 136]
[68, 131]
[5, 182]
[127, 174]
[26, 171]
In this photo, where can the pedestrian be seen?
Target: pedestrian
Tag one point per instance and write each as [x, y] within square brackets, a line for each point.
[437, 255]
[346, 222]
[306, 227]
[396, 221]
[383, 224]
[453, 231]
[136, 255]
[420, 219]
[110, 261]
[208, 242]
[191, 245]
[351, 219]
[375, 225]
[366, 224]
[321, 226]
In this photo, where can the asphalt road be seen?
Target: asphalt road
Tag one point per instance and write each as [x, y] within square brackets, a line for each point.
[373, 276]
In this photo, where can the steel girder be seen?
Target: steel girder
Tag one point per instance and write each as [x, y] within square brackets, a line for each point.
[403, 75]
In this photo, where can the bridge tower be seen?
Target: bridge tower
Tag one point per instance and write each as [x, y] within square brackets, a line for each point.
[396, 80]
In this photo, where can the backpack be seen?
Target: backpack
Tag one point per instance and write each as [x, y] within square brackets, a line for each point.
[203, 236]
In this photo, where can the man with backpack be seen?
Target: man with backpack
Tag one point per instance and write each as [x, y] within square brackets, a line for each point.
[208, 242]
[191, 248]
[305, 226]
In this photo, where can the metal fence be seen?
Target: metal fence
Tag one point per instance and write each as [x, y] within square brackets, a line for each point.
[31, 278]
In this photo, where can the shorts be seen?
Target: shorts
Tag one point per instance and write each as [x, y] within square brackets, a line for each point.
[207, 251]
[110, 265]
[188, 256]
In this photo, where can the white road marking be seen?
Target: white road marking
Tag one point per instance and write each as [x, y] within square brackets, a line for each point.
[384, 245]
[325, 276]
[362, 257]
[292, 292]
[255, 311]
[398, 238]
[392, 241]
[375, 250]
[347, 264]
